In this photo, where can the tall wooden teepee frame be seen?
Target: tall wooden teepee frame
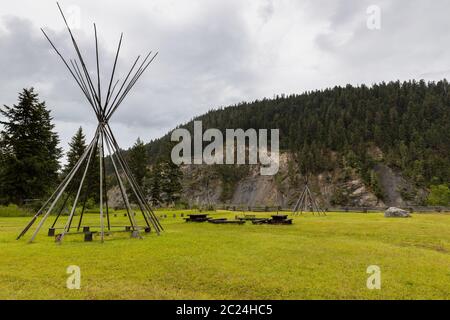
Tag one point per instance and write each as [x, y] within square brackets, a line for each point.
[103, 138]
[307, 203]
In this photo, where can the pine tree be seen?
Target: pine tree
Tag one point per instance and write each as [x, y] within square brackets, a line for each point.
[30, 150]
[3, 197]
[154, 184]
[77, 147]
[93, 177]
[169, 177]
[171, 182]
[138, 162]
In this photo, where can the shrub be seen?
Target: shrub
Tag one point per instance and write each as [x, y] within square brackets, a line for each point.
[14, 211]
[439, 195]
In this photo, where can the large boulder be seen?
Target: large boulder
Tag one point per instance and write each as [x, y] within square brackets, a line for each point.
[394, 212]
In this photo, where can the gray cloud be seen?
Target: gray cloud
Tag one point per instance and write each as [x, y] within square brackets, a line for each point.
[216, 53]
[411, 43]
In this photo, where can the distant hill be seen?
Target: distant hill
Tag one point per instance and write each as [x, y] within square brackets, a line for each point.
[391, 139]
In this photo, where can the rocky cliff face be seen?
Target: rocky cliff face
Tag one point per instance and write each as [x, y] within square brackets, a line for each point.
[333, 189]
[205, 185]
[397, 190]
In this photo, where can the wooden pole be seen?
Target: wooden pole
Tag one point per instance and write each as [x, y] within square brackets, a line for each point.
[299, 202]
[123, 84]
[71, 190]
[70, 70]
[100, 153]
[80, 57]
[60, 193]
[99, 91]
[151, 214]
[105, 189]
[108, 95]
[122, 188]
[131, 85]
[131, 182]
[41, 210]
[72, 212]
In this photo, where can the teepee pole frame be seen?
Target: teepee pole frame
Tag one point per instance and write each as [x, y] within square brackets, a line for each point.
[307, 202]
[104, 107]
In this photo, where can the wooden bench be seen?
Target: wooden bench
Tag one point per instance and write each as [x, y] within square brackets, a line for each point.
[225, 221]
[88, 235]
[197, 218]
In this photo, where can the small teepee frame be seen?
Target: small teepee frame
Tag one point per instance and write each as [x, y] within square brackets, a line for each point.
[307, 202]
[103, 138]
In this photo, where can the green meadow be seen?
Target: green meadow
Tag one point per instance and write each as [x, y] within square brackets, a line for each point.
[315, 258]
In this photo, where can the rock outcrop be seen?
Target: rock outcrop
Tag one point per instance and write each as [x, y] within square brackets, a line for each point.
[394, 212]
[337, 187]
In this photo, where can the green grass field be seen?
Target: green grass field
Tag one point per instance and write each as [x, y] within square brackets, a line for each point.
[315, 258]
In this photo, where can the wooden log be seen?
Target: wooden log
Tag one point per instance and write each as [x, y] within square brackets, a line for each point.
[88, 236]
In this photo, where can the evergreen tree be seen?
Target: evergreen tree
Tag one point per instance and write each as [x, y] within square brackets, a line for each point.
[93, 177]
[154, 184]
[170, 177]
[30, 150]
[3, 196]
[91, 185]
[77, 147]
[171, 182]
[137, 160]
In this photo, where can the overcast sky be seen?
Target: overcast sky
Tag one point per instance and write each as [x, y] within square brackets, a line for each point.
[216, 53]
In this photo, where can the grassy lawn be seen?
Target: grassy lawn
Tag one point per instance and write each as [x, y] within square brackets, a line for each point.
[316, 257]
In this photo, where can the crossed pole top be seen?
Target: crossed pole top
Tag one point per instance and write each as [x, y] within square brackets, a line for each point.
[103, 108]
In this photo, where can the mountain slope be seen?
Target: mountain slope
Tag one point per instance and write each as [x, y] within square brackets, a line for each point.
[373, 136]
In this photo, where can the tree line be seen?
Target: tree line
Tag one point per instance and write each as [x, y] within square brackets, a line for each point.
[30, 160]
[326, 129]
[336, 127]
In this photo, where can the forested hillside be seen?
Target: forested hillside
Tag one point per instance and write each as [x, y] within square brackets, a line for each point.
[409, 122]
[388, 144]
[403, 125]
